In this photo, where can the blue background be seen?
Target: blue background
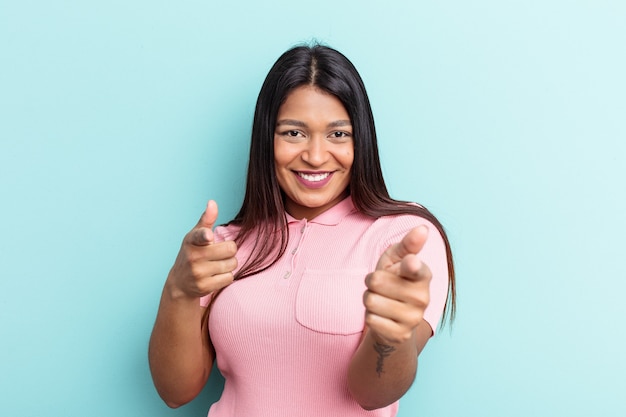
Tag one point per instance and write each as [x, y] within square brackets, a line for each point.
[118, 120]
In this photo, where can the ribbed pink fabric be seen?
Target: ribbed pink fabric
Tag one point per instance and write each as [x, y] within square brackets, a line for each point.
[284, 338]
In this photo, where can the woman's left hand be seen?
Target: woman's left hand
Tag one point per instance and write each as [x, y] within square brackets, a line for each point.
[398, 290]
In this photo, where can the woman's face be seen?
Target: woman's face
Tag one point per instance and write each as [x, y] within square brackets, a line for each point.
[313, 151]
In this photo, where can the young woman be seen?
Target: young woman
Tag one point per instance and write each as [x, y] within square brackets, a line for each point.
[318, 297]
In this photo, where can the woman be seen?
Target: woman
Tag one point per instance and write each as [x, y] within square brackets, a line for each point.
[318, 297]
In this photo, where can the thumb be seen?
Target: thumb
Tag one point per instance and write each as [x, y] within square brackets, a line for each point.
[411, 243]
[209, 217]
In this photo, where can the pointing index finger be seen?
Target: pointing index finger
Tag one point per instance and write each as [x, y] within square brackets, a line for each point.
[201, 236]
[411, 243]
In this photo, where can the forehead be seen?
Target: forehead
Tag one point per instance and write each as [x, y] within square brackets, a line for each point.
[311, 102]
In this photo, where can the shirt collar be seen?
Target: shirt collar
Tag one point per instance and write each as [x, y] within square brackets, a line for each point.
[332, 216]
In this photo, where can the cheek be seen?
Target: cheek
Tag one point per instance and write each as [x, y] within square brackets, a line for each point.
[348, 157]
[283, 154]
[279, 157]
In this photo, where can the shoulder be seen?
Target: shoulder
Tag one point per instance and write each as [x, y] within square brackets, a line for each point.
[394, 227]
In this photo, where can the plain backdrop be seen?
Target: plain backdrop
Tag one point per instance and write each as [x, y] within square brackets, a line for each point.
[119, 120]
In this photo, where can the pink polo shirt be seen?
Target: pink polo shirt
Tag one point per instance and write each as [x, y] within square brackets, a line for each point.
[284, 338]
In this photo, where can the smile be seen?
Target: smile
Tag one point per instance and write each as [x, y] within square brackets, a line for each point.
[314, 177]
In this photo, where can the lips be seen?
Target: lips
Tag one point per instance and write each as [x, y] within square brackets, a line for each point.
[313, 179]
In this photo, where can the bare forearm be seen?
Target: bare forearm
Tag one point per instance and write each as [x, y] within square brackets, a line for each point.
[380, 374]
[180, 360]
[180, 354]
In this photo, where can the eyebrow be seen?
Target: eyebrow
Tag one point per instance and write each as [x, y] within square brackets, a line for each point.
[298, 123]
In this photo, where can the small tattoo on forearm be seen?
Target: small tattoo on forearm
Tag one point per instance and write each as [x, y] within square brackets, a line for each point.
[383, 352]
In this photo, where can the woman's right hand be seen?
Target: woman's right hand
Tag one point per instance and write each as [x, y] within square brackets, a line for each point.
[202, 266]
[179, 354]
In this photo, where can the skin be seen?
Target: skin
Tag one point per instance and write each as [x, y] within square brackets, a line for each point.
[313, 137]
[180, 354]
[385, 363]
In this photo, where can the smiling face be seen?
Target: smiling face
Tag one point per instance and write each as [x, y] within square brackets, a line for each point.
[313, 151]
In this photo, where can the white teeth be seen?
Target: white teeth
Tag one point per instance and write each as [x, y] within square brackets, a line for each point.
[314, 177]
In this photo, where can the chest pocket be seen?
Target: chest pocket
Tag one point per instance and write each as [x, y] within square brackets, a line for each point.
[331, 301]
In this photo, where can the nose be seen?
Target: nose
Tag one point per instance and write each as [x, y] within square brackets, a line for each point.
[315, 153]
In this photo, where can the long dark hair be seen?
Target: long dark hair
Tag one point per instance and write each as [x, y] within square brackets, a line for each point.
[261, 216]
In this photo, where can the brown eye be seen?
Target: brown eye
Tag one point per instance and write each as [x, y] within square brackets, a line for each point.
[339, 135]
